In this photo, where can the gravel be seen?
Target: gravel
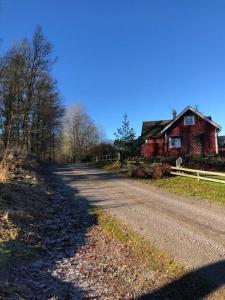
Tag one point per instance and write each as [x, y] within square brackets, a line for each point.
[191, 231]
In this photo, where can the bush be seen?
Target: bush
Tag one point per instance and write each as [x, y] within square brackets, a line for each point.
[155, 170]
[137, 171]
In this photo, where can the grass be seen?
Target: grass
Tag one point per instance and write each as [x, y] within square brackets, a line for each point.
[112, 167]
[15, 251]
[99, 164]
[22, 210]
[148, 255]
[190, 187]
[171, 274]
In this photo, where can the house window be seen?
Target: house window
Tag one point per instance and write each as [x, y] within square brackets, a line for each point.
[189, 120]
[175, 142]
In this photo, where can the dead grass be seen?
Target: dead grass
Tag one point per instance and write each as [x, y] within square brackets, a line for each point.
[22, 208]
[4, 173]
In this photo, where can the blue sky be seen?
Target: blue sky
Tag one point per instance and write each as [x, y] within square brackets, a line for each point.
[142, 57]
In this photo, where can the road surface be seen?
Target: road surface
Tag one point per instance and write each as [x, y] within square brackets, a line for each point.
[190, 231]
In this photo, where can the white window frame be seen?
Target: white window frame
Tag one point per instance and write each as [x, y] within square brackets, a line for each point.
[187, 120]
[174, 145]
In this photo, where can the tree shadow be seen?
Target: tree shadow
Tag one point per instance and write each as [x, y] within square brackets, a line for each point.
[177, 289]
[59, 228]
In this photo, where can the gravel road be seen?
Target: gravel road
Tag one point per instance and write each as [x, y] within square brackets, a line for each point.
[192, 232]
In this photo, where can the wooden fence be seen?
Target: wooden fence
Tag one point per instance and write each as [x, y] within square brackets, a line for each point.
[199, 174]
[108, 157]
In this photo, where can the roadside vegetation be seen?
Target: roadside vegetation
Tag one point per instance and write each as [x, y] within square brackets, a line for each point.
[37, 226]
[159, 177]
[149, 256]
[23, 208]
[152, 261]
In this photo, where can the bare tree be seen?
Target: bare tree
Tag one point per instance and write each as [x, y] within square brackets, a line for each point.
[30, 109]
[79, 133]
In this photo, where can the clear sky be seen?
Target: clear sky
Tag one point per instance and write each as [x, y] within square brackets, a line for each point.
[142, 57]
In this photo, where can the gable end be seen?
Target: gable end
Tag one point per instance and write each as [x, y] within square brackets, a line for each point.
[207, 119]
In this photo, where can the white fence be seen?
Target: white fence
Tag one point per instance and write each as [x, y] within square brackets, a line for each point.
[199, 174]
[108, 157]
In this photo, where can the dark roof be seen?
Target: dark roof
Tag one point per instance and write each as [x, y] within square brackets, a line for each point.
[156, 129]
[153, 128]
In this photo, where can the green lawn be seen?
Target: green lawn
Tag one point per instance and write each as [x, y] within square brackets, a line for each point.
[213, 192]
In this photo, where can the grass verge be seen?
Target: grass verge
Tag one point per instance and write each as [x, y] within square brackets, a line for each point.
[210, 191]
[173, 280]
[148, 255]
[189, 187]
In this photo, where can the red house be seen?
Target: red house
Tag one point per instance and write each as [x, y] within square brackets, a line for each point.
[188, 134]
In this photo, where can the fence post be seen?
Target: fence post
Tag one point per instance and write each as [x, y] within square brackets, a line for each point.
[118, 156]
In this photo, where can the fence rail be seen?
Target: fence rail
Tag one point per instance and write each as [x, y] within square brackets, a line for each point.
[108, 157]
[183, 172]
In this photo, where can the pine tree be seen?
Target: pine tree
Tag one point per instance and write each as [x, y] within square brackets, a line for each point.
[125, 138]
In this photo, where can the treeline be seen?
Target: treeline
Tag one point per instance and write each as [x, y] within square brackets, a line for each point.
[82, 141]
[32, 119]
[30, 108]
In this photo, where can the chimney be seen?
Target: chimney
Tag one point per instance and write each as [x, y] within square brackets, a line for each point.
[174, 114]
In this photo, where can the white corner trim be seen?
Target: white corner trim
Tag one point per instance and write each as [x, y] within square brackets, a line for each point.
[216, 142]
[166, 139]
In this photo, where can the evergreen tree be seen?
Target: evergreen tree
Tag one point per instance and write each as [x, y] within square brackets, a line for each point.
[125, 138]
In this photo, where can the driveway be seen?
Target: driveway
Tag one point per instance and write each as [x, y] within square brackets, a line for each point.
[190, 231]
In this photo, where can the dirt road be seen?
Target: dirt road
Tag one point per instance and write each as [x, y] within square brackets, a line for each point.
[192, 232]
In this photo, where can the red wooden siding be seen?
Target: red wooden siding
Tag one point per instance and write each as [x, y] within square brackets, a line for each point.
[198, 139]
[153, 147]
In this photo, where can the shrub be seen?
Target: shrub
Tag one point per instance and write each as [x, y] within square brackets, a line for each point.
[116, 165]
[137, 171]
[166, 169]
[155, 170]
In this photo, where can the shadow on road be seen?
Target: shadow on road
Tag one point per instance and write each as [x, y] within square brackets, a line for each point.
[57, 221]
[177, 288]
